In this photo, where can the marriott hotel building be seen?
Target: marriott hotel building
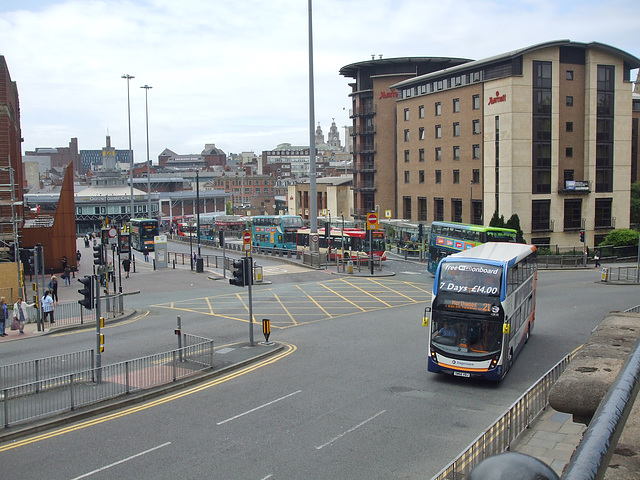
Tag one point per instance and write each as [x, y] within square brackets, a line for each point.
[548, 132]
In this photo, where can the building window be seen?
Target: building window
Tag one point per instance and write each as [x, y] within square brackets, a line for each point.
[406, 208]
[438, 131]
[421, 133]
[456, 153]
[476, 102]
[438, 154]
[406, 135]
[438, 176]
[568, 152]
[456, 210]
[605, 128]
[476, 127]
[421, 155]
[456, 129]
[406, 114]
[421, 111]
[475, 176]
[438, 109]
[541, 145]
[603, 213]
[569, 101]
[422, 209]
[456, 105]
[421, 176]
[540, 215]
[572, 214]
[407, 176]
[476, 151]
[406, 156]
[456, 176]
[569, 127]
[438, 209]
[569, 74]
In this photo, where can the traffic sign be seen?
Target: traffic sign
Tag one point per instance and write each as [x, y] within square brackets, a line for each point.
[372, 221]
[246, 241]
[314, 238]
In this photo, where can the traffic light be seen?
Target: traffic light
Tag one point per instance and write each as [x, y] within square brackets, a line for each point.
[582, 236]
[97, 255]
[87, 292]
[420, 231]
[238, 273]
[12, 252]
[248, 271]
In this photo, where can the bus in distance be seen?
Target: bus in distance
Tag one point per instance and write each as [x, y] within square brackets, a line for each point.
[275, 231]
[482, 311]
[143, 231]
[450, 237]
[353, 243]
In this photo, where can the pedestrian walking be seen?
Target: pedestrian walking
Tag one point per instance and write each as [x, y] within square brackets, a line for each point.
[64, 262]
[4, 315]
[110, 272]
[78, 256]
[53, 287]
[596, 257]
[20, 314]
[47, 307]
[126, 264]
[146, 253]
[67, 275]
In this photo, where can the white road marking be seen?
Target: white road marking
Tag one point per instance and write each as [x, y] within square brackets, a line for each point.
[258, 408]
[122, 461]
[350, 430]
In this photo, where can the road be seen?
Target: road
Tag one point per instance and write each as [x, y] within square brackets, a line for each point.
[350, 399]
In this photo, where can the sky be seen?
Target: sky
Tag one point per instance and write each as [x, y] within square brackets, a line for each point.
[235, 73]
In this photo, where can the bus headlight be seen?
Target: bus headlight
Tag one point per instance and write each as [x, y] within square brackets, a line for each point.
[494, 361]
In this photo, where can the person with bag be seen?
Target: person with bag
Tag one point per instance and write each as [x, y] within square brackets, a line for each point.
[53, 287]
[19, 315]
[47, 307]
[4, 314]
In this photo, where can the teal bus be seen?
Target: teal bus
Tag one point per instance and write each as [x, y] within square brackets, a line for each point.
[275, 231]
[447, 238]
[483, 310]
[143, 231]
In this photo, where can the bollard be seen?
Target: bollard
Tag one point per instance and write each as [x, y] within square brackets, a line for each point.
[605, 274]
[350, 267]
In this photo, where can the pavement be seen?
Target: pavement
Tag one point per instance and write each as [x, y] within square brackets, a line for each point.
[552, 437]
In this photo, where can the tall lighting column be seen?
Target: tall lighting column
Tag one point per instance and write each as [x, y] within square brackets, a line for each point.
[146, 102]
[129, 77]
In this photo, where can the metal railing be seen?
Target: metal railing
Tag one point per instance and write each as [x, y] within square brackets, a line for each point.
[626, 274]
[84, 387]
[507, 428]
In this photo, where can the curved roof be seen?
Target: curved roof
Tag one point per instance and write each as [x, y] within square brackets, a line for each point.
[401, 64]
[633, 61]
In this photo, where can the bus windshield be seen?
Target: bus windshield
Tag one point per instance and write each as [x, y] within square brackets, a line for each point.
[454, 333]
[473, 278]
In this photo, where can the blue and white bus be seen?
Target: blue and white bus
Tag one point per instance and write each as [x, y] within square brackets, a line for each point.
[483, 310]
[275, 231]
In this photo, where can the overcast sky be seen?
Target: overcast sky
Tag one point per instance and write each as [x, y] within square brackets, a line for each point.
[235, 72]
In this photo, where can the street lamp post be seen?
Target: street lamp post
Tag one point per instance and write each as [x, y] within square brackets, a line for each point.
[146, 102]
[471, 203]
[129, 77]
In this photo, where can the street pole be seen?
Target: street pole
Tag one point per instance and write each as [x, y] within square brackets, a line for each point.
[146, 102]
[313, 201]
[129, 77]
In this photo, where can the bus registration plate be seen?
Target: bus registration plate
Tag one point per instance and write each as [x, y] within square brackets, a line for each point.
[461, 374]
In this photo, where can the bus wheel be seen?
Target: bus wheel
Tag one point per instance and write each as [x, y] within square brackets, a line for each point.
[528, 334]
[510, 358]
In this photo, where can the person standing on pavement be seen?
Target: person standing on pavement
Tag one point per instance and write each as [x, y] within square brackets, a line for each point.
[146, 253]
[20, 313]
[47, 307]
[67, 275]
[126, 264]
[4, 315]
[53, 287]
[78, 256]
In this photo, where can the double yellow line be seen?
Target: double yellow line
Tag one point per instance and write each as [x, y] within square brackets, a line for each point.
[288, 350]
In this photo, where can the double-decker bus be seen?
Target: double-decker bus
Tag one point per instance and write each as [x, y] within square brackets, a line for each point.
[450, 237]
[482, 311]
[353, 243]
[186, 229]
[142, 232]
[275, 231]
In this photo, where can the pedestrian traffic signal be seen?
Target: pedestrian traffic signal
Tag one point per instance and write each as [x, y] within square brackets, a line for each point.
[87, 292]
[582, 236]
[238, 273]
[97, 255]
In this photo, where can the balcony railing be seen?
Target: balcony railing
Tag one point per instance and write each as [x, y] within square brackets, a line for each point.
[364, 130]
[366, 148]
[365, 185]
[362, 111]
[364, 167]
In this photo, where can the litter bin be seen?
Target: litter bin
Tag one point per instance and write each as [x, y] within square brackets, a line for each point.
[605, 274]
[199, 265]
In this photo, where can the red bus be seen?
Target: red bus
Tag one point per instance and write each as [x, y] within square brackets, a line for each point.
[350, 243]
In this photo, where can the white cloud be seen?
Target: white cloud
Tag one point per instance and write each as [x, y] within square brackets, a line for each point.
[234, 72]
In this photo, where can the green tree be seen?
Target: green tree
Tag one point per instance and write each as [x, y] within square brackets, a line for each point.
[497, 220]
[229, 208]
[514, 223]
[621, 238]
[635, 204]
